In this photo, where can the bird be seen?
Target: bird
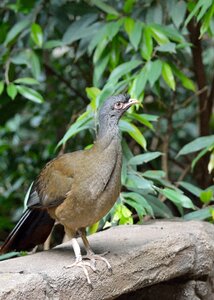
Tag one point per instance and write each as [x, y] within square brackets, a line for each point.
[76, 189]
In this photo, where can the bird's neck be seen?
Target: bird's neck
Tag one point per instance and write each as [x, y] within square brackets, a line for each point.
[108, 131]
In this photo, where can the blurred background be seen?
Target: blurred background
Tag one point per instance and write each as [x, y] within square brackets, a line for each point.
[61, 59]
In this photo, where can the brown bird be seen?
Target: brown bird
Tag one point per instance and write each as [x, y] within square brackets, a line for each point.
[76, 189]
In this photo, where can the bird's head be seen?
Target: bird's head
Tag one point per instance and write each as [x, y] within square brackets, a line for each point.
[114, 107]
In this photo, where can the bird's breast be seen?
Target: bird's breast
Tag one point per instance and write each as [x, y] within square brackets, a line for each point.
[94, 190]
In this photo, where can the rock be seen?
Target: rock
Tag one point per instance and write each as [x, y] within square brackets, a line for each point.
[159, 260]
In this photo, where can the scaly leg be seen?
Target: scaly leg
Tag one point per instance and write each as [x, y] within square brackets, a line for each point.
[90, 254]
[79, 262]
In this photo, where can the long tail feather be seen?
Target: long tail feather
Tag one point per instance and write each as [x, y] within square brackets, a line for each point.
[32, 229]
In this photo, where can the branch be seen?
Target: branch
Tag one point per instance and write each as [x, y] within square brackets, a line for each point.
[66, 82]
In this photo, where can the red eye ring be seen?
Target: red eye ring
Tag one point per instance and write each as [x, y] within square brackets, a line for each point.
[118, 105]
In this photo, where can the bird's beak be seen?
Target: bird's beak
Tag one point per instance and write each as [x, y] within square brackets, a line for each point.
[130, 103]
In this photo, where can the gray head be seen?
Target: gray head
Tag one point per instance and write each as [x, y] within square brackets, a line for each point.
[112, 110]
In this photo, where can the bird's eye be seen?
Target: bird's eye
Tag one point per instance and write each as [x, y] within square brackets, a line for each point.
[118, 105]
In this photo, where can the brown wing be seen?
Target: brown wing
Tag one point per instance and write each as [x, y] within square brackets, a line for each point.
[53, 183]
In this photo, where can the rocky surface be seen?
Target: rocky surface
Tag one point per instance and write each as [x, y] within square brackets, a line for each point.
[159, 260]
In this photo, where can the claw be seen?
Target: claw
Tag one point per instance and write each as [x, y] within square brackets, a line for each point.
[83, 264]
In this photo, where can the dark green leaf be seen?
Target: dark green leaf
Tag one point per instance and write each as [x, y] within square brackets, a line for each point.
[52, 44]
[197, 144]
[36, 34]
[154, 71]
[80, 28]
[9, 255]
[1, 87]
[159, 208]
[159, 35]
[82, 123]
[139, 84]
[105, 7]
[199, 156]
[133, 131]
[140, 200]
[26, 80]
[178, 13]
[141, 119]
[177, 198]
[136, 33]
[30, 94]
[191, 188]
[201, 214]
[123, 69]
[169, 47]
[135, 181]
[16, 30]
[144, 158]
[168, 75]
[34, 64]
[11, 90]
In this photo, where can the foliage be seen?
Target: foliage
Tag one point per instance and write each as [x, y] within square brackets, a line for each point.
[57, 57]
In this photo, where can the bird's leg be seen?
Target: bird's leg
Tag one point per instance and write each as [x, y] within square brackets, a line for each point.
[89, 252]
[79, 262]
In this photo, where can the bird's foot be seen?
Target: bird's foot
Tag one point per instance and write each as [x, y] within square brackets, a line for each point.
[83, 264]
[94, 257]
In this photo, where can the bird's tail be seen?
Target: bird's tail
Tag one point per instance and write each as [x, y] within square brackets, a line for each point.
[32, 229]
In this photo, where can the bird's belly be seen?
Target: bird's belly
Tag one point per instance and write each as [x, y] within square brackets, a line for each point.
[75, 216]
[79, 211]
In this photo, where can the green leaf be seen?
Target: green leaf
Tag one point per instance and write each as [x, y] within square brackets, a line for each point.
[133, 131]
[159, 208]
[191, 188]
[128, 6]
[140, 118]
[198, 157]
[154, 174]
[159, 35]
[168, 75]
[147, 48]
[16, 30]
[105, 7]
[197, 144]
[123, 69]
[154, 71]
[144, 158]
[34, 64]
[201, 214]
[206, 196]
[52, 44]
[36, 34]
[30, 94]
[112, 28]
[139, 84]
[1, 87]
[178, 13]
[80, 29]
[129, 25]
[169, 47]
[187, 83]
[140, 200]
[136, 181]
[11, 91]
[134, 31]
[201, 4]
[9, 255]
[177, 198]
[92, 94]
[82, 123]
[26, 80]
[99, 68]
